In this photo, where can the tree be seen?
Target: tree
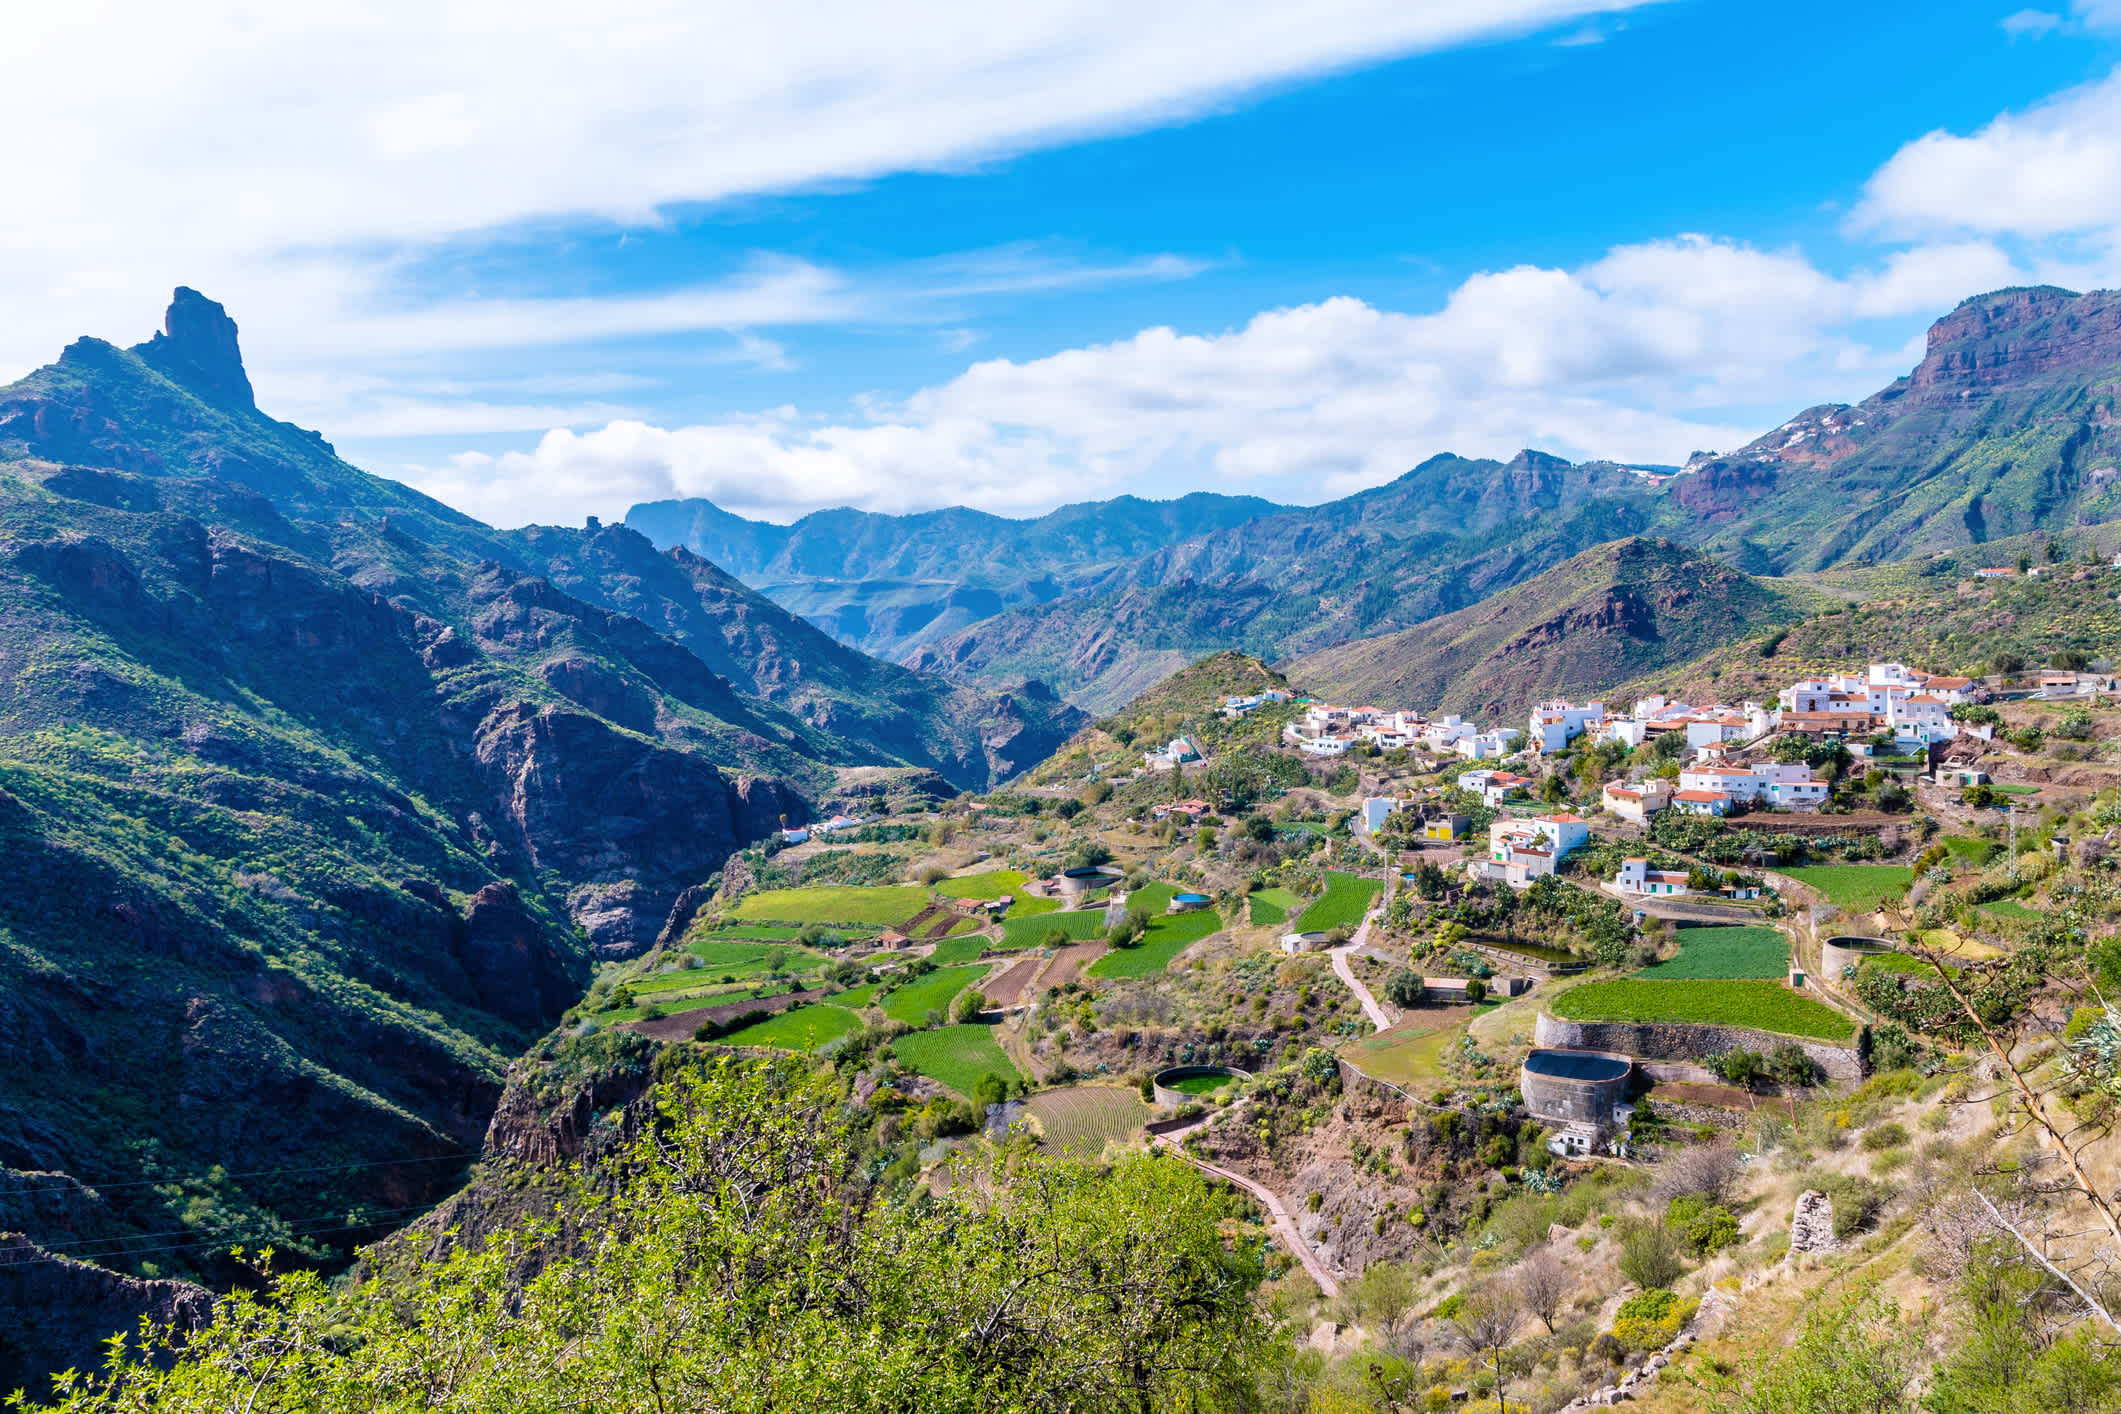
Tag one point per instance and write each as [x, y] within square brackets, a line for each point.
[1487, 1321]
[2005, 664]
[1740, 1067]
[697, 1283]
[1428, 880]
[1543, 1285]
[1068, 809]
[1650, 1258]
[1476, 990]
[1974, 714]
[969, 1004]
[1404, 988]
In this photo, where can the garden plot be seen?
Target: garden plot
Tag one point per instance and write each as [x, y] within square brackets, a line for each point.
[1075, 925]
[1859, 888]
[884, 906]
[804, 1029]
[1166, 939]
[1760, 1005]
[912, 1002]
[1724, 953]
[956, 1056]
[1083, 1119]
[1343, 904]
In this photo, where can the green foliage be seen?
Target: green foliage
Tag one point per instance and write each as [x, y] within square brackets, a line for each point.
[912, 1001]
[1271, 905]
[702, 1283]
[882, 907]
[1854, 1356]
[1764, 1006]
[1649, 1257]
[1648, 1319]
[803, 1028]
[1705, 1227]
[1165, 939]
[1076, 925]
[1858, 888]
[1404, 987]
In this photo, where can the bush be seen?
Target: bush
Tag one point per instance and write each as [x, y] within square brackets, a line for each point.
[1890, 1135]
[1706, 1228]
[1404, 987]
[1650, 1258]
[1740, 1067]
[1789, 1065]
[1648, 1320]
[1476, 990]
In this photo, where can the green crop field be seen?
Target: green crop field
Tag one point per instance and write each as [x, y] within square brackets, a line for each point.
[1342, 905]
[751, 932]
[670, 1003]
[955, 1055]
[1273, 905]
[744, 961]
[1764, 1006]
[2008, 908]
[912, 1002]
[959, 950]
[1859, 888]
[855, 998]
[1152, 898]
[1201, 1084]
[991, 885]
[2015, 790]
[885, 906]
[1726, 953]
[803, 1029]
[1085, 1118]
[1078, 924]
[1167, 938]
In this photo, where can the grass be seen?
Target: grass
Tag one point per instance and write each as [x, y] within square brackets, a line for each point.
[855, 998]
[1859, 888]
[1901, 963]
[1971, 848]
[803, 1029]
[1031, 905]
[959, 950]
[2008, 908]
[1761, 1005]
[957, 1056]
[754, 932]
[1078, 924]
[883, 906]
[1273, 905]
[1085, 1118]
[1167, 938]
[1342, 905]
[1153, 898]
[1726, 953]
[1410, 1054]
[2015, 790]
[912, 1002]
[991, 885]
[1201, 1084]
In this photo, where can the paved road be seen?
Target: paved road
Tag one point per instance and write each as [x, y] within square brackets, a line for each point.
[1284, 1225]
[1340, 956]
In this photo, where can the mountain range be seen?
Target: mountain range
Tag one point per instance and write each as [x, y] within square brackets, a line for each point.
[2004, 428]
[319, 800]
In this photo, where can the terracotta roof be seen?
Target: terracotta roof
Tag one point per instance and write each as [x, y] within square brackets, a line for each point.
[1701, 795]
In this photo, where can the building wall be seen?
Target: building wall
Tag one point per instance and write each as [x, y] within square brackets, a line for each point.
[1571, 1101]
[1676, 1041]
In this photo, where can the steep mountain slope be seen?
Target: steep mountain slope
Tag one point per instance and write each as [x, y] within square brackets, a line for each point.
[2006, 426]
[1613, 612]
[887, 584]
[318, 799]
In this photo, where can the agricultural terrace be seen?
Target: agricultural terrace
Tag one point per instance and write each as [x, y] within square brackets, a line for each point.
[995, 884]
[1346, 899]
[723, 958]
[1166, 939]
[882, 906]
[1273, 905]
[956, 1056]
[1085, 1118]
[1761, 1005]
[1152, 898]
[1723, 953]
[1077, 925]
[1859, 888]
[805, 1028]
[959, 950]
[934, 991]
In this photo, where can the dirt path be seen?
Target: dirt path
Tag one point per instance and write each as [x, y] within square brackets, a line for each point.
[1284, 1225]
[1346, 972]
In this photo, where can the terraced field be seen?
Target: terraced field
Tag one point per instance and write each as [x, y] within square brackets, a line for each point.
[1755, 951]
[1346, 899]
[1859, 888]
[956, 1056]
[1076, 924]
[883, 906]
[1272, 905]
[721, 958]
[803, 1029]
[934, 992]
[1167, 938]
[1763, 1006]
[991, 885]
[1083, 1119]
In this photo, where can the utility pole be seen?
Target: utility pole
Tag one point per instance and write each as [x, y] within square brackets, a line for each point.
[2011, 812]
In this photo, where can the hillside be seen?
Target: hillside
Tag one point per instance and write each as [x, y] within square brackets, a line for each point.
[318, 801]
[1614, 612]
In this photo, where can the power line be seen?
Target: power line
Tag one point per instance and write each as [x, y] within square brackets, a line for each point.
[249, 1173]
[116, 1243]
[307, 1229]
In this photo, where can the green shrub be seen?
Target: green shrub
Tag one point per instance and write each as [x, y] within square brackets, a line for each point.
[1650, 1258]
[1648, 1319]
[1890, 1135]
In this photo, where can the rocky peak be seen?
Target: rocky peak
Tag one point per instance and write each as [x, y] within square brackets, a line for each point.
[197, 347]
[2018, 338]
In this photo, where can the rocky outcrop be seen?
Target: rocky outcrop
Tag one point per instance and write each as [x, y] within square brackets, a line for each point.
[635, 821]
[2017, 338]
[60, 1311]
[197, 347]
[510, 958]
[1812, 1223]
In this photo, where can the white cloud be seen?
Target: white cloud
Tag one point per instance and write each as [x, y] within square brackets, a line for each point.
[1641, 355]
[290, 158]
[2054, 170]
[2030, 22]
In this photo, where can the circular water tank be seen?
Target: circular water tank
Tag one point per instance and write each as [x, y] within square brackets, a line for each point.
[1575, 1087]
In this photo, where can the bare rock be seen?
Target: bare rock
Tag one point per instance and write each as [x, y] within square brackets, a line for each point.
[1812, 1223]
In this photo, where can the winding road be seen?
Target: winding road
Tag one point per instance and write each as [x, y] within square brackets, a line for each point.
[1284, 1225]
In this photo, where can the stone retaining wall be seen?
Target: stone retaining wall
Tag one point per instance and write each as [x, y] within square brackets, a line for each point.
[1685, 1041]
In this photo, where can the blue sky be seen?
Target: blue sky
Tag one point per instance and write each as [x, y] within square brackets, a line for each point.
[1063, 253]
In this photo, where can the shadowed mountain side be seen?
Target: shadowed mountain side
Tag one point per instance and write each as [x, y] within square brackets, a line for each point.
[1611, 613]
